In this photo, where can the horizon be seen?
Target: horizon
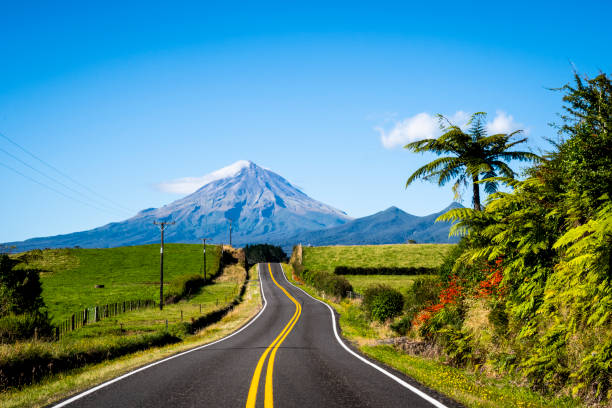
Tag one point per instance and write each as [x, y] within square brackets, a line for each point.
[120, 107]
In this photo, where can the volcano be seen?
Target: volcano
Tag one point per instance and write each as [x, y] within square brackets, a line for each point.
[260, 205]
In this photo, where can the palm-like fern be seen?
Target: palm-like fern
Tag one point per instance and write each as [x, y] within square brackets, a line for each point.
[469, 157]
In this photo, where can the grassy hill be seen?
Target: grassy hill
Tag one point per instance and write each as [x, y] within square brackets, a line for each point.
[127, 273]
[397, 255]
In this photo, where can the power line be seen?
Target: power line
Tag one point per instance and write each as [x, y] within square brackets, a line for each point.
[54, 179]
[53, 189]
[64, 174]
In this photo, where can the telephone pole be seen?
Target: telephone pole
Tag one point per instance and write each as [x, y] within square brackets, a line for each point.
[204, 256]
[162, 226]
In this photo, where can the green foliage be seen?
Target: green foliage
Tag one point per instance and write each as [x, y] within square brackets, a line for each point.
[183, 287]
[553, 232]
[264, 253]
[382, 302]
[423, 292]
[498, 318]
[472, 155]
[328, 283]
[20, 289]
[24, 326]
[402, 326]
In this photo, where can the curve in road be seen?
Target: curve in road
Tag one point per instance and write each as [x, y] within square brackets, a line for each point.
[308, 365]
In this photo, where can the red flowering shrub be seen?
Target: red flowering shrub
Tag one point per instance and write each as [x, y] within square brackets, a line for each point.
[448, 296]
[491, 285]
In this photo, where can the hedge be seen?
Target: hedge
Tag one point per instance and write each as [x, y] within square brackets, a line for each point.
[384, 270]
[329, 283]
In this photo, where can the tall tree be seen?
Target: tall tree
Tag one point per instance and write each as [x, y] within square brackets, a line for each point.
[469, 156]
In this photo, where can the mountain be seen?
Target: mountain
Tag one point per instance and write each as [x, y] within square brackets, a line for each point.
[262, 205]
[391, 226]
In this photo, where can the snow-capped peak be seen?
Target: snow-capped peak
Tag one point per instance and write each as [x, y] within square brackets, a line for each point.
[188, 185]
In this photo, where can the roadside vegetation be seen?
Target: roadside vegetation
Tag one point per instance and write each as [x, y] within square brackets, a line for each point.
[519, 312]
[69, 276]
[188, 310]
[56, 387]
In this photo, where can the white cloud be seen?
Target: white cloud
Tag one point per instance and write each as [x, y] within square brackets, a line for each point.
[502, 123]
[426, 126]
[417, 127]
[188, 185]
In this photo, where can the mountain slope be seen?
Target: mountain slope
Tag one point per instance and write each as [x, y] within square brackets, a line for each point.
[391, 226]
[262, 206]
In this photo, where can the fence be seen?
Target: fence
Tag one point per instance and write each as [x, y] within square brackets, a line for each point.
[97, 313]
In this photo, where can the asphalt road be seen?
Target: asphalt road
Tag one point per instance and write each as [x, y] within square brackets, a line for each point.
[311, 368]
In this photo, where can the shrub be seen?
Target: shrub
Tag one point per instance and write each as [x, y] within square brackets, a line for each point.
[328, 283]
[403, 325]
[19, 327]
[184, 286]
[20, 289]
[382, 302]
[422, 292]
[383, 270]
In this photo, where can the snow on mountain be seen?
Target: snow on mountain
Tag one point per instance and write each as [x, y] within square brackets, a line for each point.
[188, 185]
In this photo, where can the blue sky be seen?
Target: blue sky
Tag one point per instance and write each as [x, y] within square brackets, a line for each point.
[122, 98]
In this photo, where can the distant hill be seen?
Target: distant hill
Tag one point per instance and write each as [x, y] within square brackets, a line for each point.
[391, 226]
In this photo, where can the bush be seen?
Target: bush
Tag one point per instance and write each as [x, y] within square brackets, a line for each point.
[184, 286]
[423, 292]
[328, 283]
[20, 289]
[20, 327]
[384, 270]
[382, 302]
[403, 325]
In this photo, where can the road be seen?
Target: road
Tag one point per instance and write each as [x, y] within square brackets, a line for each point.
[289, 355]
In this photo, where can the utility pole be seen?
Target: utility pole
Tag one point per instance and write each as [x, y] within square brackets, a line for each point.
[204, 256]
[162, 226]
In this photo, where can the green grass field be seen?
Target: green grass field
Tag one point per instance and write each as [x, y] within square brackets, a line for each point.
[400, 255]
[400, 282]
[151, 320]
[126, 273]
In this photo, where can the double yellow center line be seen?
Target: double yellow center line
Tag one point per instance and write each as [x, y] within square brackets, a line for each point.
[269, 400]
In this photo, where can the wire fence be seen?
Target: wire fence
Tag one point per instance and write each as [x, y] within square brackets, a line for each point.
[94, 314]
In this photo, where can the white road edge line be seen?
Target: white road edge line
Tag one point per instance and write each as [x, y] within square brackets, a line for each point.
[401, 382]
[114, 380]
